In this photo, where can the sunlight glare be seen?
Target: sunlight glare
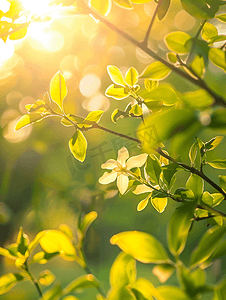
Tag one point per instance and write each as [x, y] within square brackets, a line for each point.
[36, 7]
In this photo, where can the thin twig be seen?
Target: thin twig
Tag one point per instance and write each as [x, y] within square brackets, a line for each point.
[145, 41]
[34, 281]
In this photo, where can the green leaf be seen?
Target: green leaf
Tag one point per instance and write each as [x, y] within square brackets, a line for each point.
[43, 257]
[22, 241]
[103, 6]
[142, 246]
[207, 245]
[20, 34]
[219, 252]
[218, 163]
[176, 41]
[164, 93]
[117, 114]
[66, 230]
[193, 152]
[121, 293]
[156, 71]
[171, 56]
[132, 76]
[172, 293]
[196, 184]
[147, 289]
[153, 168]
[116, 75]
[138, 295]
[58, 89]
[168, 173]
[136, 110]
[46, 277]
[83, 282]
[220, 291]
[53, 294]
[209, 31]
[221, 17]
[7, 253]
[178, 228]
[123, 271]
[223, 182]
[159, 204]
[202, 9]
[87, 221]
[213, 143]
[143, 203]
[207, 198]
[92, 118]
[218, 38]
[198, 66]
[74, 119]
[7, 281]
[217, 198]
[78, 146]
[28, 119]
[185, 194]
[117, 92]
[217, 56]
[198, 99]
[163, 9]
[150, 85]
[163, 272]
[124, 3]
[56, 241]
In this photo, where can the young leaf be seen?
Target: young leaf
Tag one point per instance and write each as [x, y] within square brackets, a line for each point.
[221, 17]
[66, 230]
[150, 85]
[147, 289]
[159, 204]
[123, 271]
[28, 119]
[7, 281]
[87, 221]
[142, 246]
[78, 146]
[168, 173]
[213, 143]
[83, 282]
[46, 277]
[58, 89]
[193, 152]
[103, 6]
[218, 163]
[35, 241]
[153, 168]
[164, 93]
[207, 198]
[196, 184]
[54, 293]
[143, 203]
[172, 293]
[117, 92]
[136, 110]
[209, 31]
[178, 228]
[92, 118]
[198, 99]
[43, 257]
[223, 182]
[121, 293]
[217, 198]
[198, 66]
[163, 272]
[176, 41]
[207, 245]
[217, 56]
[20, 34]
[132, 76]
[163, 9]
[156, 71]
[171, 57]
[22, 241]
[116, 75]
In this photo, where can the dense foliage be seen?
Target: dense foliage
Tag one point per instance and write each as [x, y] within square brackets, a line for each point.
[165, 116]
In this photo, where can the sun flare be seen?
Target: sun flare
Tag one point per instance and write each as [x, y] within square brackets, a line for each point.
[36, 7]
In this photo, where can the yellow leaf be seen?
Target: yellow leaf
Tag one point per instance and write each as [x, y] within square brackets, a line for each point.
[58, 89]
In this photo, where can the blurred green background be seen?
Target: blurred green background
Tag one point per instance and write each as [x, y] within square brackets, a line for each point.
[42, 185]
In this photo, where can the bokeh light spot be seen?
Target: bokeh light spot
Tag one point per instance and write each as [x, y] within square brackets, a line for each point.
[89, 85]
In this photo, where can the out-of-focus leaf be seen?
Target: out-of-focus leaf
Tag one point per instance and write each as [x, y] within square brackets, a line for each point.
[202, 9]
[35, 241]
[53, 294]
[198, 66]
[43, 257]
[218, 163]
[209, 31]
[220, 291]
[198, 99]
[217, 56]
[163, 93]
[132, 76]
[123, 271]
[159, 204]
[142, 246]
[20, 34]
[208, 244]
[46, 277]
[176, 41]
[6, 253]
[213, 143]
[66, 230]
[172, 293]
[222, 180]
[87, 221]
[178, 228]
[163, 9]
[58, 89]
[117, 92]
[124, 4]
[156, 71]
[22, 241]
[120, 293]
[168, 172]
[103, 6]
[78, 146]
[136, 110]
[221, 17]
[83, 282]
[28, 119]
[163, 272]
[147, 289]
[7, 281]
[172, 57]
